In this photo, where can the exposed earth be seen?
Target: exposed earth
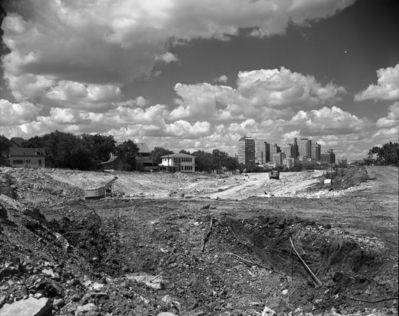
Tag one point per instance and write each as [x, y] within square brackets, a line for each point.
[198, 244]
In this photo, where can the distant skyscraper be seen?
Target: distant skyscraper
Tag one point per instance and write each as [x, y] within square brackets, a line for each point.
[295, 149]
[315, 151]
[274, 148]
[261, 151]
[328, 157]
[304, 148]
[267, 152]
[246, 151]
[278, 158]
[288, 150]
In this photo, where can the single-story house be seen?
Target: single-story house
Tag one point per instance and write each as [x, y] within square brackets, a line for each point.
[20, 157]
[178, 162]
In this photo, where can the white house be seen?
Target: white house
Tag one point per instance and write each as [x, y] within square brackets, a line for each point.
[178, 162]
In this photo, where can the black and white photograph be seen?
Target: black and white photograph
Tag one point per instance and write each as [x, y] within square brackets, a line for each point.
[197, 157]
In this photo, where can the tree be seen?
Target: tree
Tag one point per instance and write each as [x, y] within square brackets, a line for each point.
[127, 152]
[100, 146]
[387, 154]
[5, 144]
[203, 160]
[158, 152]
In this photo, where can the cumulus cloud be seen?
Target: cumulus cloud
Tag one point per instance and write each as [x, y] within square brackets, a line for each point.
[388, 126]
[392, 119]
[387, 87]
[328, 121]
[282, 87]
[260, 94]
[16, 113]
[221, 79]
[117, 41]
[167, 58]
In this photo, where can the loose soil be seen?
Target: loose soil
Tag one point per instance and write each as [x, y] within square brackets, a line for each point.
[213, 253]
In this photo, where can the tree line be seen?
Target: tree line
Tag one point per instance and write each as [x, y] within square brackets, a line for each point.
[387, 154]
[86, 152]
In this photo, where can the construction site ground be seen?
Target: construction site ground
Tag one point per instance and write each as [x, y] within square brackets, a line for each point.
[199, 244]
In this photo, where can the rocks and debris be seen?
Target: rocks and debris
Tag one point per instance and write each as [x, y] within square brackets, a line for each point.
[27, 307]
[145, 257]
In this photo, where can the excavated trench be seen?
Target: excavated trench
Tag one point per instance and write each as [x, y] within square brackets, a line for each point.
[345, 268]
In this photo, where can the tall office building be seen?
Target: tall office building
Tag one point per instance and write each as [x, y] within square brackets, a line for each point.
[267, 152]
[246, 151]
[304, 148]
[261, 151]
[328, 157]
[288, 150]
[278, 158]
[274, 149]
[295, 149]
[316, 151]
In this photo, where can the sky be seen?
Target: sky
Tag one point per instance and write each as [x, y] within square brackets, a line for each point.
[200, 74]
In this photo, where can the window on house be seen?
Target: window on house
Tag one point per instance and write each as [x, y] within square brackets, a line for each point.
[17, 162]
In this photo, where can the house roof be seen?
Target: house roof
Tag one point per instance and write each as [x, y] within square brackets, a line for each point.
[21, 151]
[143, 148]
[178, 155]
[17, 141]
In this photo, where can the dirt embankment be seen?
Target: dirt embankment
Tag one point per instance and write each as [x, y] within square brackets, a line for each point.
[190, 257]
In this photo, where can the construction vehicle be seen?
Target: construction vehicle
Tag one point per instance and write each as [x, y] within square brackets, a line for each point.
[274, 174]
[100, 191]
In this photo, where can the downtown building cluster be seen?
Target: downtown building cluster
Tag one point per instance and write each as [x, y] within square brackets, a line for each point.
[258, 152]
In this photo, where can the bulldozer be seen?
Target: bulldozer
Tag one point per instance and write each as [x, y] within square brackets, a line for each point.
[274, 174]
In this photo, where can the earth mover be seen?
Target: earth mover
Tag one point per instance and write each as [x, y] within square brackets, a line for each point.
[274, 174]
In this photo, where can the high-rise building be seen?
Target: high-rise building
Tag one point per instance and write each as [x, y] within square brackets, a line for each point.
[261, 152]
[278, 158]
[295, 149]
[304, 148]
[328, 157]
[315, 151]
[246, 151]
[267, 152]
[288, 150]
[274, 149]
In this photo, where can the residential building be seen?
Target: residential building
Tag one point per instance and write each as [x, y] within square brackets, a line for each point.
[304, 148]
[17, 142]
[20, 157]
[315, 151]
[278, 158]
[328, 157]
[246, 151]
[178, 162]
[261, 151]
[143, 159]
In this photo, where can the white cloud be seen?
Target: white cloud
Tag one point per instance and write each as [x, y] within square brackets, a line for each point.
[221, 79]
[282, 87]
[328, 121]
[167, 58]
[119, 40]
[16, 113]
[260, 94]
[392, 119]
[387, 87]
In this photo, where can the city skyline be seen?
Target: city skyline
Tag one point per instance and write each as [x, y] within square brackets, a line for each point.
[198, 75]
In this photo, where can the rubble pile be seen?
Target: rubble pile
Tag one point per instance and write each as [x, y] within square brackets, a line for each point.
[61, 255]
